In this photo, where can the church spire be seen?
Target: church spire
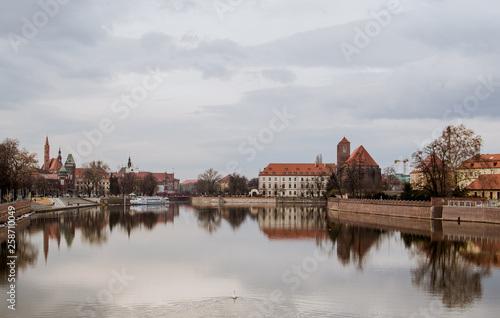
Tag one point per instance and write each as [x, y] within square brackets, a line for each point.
[46, 158]
[129, 162]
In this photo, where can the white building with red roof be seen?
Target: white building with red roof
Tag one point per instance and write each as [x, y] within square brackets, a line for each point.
[294, 179]
[471, 169]
[310, 179]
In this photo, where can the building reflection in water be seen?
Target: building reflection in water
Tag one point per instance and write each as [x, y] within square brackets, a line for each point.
[294, 223]
[93, 225]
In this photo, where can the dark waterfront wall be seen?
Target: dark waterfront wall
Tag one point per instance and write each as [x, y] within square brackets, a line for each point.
[437, 209]
[22, 207]
[411, 209]
[437, 230]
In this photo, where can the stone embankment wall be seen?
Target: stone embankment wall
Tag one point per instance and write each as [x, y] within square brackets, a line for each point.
[22, 207]
[243, 201]
[437, 209]
[411, 209]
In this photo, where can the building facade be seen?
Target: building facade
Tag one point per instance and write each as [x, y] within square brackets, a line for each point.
[471, 169]
[294, 179]
[486, 186]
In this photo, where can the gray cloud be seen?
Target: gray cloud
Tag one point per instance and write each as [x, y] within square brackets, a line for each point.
[226, 77]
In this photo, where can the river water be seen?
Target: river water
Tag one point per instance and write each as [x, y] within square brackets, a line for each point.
[181, 261]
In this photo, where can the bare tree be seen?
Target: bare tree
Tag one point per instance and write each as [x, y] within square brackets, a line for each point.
[94, 174]
[438, 162]
[129, 183]
[148, 184]
[238, 184]
[40, 185]
[208, 182]
[253, 183]
[333, 185]
[16, 166]
[390, 178]
[319, 159]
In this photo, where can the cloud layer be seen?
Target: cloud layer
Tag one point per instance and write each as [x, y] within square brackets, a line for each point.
[385, 79]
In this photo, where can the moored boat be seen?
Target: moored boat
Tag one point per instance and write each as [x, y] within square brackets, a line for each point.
[149, 201]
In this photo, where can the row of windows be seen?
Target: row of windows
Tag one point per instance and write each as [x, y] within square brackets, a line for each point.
[284, 179]
[490, 195]
[290, 193]
[301, 173]
[475, 173]
[290, 186]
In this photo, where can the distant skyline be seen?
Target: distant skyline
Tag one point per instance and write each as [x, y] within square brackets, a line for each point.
[236, 85]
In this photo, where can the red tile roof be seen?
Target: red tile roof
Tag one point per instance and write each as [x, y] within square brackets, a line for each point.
[51, 176]
[361, 157]
[485, 161]
[54, 165]
[225, 179]
[281, 169]
[486, 182]
[189, 182]
[344, 140]
[427, 163]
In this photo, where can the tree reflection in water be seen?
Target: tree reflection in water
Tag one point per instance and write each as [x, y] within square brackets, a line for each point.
[27, 255]
[209, 219]
[235, 216]
[353, 242]
[444, 271]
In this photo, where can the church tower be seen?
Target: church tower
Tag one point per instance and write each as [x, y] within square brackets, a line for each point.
[46, 159]
[343, 152]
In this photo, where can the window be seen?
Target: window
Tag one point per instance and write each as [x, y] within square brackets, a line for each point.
[269, 178]
[286, 169]
[289, 179]
[345, 149]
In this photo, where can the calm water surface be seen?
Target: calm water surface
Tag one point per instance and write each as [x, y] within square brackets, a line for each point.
[181, 261]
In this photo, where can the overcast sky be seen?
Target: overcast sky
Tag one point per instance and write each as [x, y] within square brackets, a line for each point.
[238, 84]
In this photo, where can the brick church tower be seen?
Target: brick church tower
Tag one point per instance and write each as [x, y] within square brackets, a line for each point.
[46, 159]
[343, 152]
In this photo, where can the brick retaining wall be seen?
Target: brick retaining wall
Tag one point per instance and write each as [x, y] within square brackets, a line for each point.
[21, 207]
[417, 209]
[412, 209]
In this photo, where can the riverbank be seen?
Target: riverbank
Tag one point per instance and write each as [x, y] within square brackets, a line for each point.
[435, 229]
[253, 201]
[468, 209]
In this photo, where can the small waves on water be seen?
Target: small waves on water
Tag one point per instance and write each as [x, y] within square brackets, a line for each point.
[222, 307]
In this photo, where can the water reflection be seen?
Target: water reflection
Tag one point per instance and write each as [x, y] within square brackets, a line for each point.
[354, 242]
[209, 219]
[294, 222]
[445, 268]
[256, 246]
[26, 252]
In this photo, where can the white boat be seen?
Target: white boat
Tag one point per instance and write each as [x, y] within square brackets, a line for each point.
[149, 201]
